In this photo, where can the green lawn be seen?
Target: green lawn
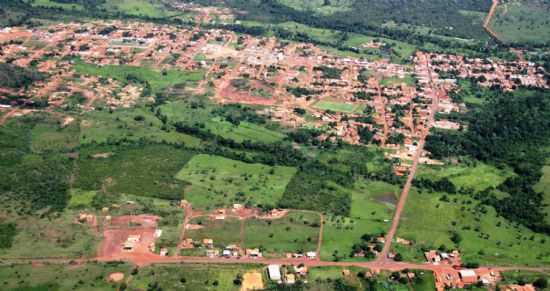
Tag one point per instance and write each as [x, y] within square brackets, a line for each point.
[157, 79]
[477, 177]
[372, 205]
[89, 277]
[340, 107]
[486, 238]
[217, 181]
[140, 170]
[296, 232]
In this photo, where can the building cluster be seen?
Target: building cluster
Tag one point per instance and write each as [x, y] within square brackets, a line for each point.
[287, 274]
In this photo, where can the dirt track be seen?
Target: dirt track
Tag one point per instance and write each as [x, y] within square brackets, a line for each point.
[487, 22]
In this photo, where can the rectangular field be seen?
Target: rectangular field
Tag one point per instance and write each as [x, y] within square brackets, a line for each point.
[218, 181]
[340, 107]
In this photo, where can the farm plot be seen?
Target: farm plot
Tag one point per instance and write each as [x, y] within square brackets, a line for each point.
[217, 181]
[475, 229]
[296, 232]
[141, 170]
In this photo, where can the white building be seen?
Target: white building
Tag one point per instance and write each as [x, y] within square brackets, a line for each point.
[274, 272]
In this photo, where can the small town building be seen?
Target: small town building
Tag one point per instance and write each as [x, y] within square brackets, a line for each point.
[311, 255]
[274, 272]
[468, 276]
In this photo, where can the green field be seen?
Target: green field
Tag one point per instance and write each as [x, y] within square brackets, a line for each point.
[217, 181]
[89, 277]
[477, 177]
[243, 131]
[223, 232]
[98, 127]
[372, 205]
[54, 236]
[340, 107]
[544, 187]
[49, 136]
[53, 4]
[140, 170]
[393, 81]
[485, 238]
[522, 21]
[296, 232]
[189, 277]
[146, 8]
[157, 80]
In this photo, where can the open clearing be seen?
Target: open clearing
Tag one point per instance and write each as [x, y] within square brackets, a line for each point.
[522, 21]
[544, 187]
[372, 205]
[484, 237]
[217, 181]
[340, 107]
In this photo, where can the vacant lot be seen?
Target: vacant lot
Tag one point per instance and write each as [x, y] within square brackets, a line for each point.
[223, 232]
[371, 209]
[157, 80]
[297, 232]
[481, 235]
[340, 107]
[141, 170]
[90, 277]
[217, 181]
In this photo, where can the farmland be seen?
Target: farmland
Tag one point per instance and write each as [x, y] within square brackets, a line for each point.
[217, 181]
[520, 21]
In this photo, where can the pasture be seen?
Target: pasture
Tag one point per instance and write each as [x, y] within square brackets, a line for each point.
[296, 232]
[478, 176]
[371, 210]
[543, 186]
[89, 277]
[222, 232]
[522, 21]
[480, 235]
[217, 181]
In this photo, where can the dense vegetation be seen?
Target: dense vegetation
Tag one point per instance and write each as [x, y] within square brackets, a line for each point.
[15, 77]
[509, 129]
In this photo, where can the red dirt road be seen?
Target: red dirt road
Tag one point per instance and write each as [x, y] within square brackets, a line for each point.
[487, 22]
[383, 256]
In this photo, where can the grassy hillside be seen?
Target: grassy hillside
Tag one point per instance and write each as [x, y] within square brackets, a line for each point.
[523, 21]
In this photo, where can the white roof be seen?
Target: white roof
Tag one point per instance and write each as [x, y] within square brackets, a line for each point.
[311, 254]
[467, 273]
[274, 272]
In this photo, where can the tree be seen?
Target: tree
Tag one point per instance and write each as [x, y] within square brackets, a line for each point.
[541, 283]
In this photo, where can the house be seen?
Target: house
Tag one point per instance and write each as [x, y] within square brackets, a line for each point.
[226, 253]
[158, 233]
[290, 278]
[274, 272]
[468, 276]
[254, 253]
[208, 243]
[514, 287]
[311, 255]
[211, 253]
[164, 252]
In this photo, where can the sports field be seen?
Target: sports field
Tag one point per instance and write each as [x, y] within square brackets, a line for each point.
[218, 181]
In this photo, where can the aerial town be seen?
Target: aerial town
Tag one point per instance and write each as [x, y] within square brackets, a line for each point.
[115, 107]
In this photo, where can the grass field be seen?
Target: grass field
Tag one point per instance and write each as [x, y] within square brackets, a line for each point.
[54, 4]
[147, 8]
[99, 127]
[340, 107]
[55, 236]
[81, 199]
[190, 277]
[544, 187]
[296, 232]
[141, 170]
[48, 136]
[409, 80]
[217, 181]
[223, 232]
[157, 79]
[189, 113]
[89, 277]
[522, 21]
[485, 238]
[477, 177]
[372, 205]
